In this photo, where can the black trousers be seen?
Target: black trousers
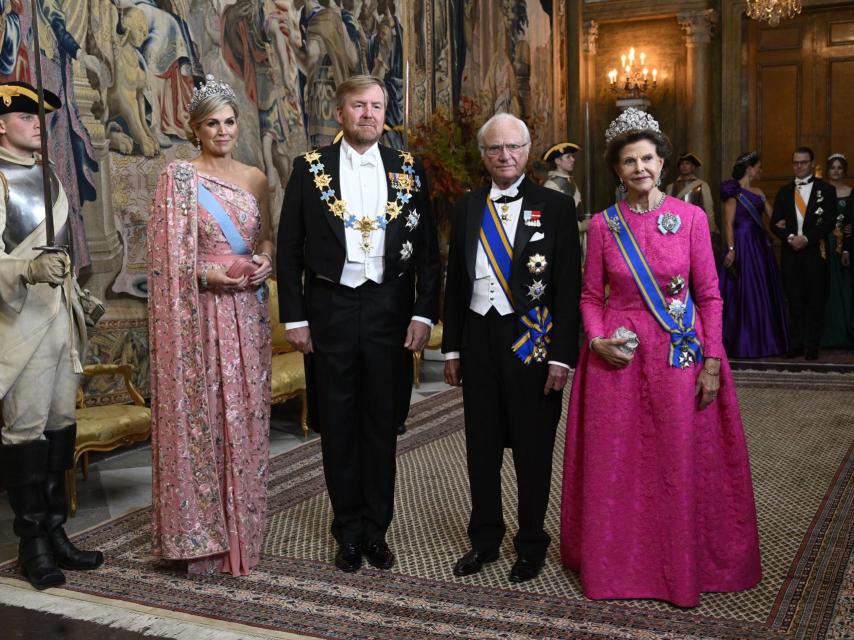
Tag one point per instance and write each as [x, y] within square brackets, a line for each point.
[356, 367]
[805, 285]
[504, 406]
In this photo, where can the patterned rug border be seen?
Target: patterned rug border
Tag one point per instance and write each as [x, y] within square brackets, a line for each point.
[802, 608]
[834, 521]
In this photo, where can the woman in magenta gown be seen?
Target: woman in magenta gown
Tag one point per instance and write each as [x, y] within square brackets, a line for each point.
[755, 321]
[657, 496]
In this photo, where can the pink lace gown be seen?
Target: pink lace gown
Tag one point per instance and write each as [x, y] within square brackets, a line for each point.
[211, 362]
[657, 496]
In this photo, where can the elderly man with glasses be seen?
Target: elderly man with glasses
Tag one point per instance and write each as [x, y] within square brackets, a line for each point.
[510, 337]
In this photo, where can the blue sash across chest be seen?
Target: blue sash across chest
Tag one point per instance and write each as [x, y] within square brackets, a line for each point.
[751, 209]
[685, 348]
[229, 229]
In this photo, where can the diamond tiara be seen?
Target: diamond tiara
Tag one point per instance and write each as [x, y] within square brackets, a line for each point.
[631, 120]
[207, 89]
[746, 158]
[837, 156]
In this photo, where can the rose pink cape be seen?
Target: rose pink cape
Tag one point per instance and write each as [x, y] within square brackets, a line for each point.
[210, 381]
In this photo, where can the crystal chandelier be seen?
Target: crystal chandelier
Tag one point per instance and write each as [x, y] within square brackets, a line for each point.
[771, 11]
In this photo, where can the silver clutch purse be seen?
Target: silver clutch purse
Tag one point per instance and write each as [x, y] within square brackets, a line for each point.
[632, 342]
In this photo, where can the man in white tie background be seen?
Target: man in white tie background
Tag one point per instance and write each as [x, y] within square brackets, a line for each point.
[513, 259]
[358, 275]
[804, 213]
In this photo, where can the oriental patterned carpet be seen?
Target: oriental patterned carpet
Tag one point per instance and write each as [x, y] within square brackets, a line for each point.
[800, 429]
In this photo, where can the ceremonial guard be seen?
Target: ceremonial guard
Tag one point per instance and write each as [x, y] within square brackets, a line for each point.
[560, 179]
[689, 188]
[42, 343]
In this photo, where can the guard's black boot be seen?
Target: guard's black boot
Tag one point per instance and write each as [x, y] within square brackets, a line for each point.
[23, 467]
[61, 458]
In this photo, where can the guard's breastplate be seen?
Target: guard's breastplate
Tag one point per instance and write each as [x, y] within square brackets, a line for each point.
[694, 196]
[24, 190]
[566, 185]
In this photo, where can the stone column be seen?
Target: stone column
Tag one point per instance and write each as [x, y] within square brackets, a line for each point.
[560, 90]
[697, 27]
[591, 38]
[574, 70]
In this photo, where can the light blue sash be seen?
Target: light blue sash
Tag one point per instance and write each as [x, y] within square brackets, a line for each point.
[682, 330]
[229, 230]
[209, 202]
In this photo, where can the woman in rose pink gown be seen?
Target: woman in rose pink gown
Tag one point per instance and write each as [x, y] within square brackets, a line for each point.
[210, 351]
[657, 496]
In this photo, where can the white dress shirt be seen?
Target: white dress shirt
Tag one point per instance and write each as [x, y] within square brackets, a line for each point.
[365, 190]
[806, 192]
[487, 292]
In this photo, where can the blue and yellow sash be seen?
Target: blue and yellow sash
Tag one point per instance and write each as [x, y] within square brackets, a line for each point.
[683, 333]
[533, 344]
[498, 250]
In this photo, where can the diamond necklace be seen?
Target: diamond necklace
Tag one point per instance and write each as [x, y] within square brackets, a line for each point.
[657, 205]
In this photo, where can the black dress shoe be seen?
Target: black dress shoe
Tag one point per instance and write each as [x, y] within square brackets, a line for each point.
[473, 561]
[349, 557]
[401, 429]
[811, 354]
[378, 554]
[795, 352]
[525, 569]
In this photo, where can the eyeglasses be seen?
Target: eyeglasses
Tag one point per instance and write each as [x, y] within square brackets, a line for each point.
[496, 149]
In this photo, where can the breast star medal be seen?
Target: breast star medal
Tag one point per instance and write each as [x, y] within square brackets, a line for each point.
[669, 222]
[676, 284]
[412, 220]
[406, 251]
[536, 290]
[537, 264]
[676, 309]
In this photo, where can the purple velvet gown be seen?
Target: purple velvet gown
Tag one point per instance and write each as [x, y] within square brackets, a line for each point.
[754, 323]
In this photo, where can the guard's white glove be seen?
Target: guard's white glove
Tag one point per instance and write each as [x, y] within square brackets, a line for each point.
[49, 267]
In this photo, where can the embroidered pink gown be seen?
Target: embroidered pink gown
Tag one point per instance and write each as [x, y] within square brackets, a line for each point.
[210, 381]
[657, 496]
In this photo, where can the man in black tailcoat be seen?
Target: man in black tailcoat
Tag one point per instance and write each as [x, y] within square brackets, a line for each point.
[510, 335]
[358, 276]
[804, 213]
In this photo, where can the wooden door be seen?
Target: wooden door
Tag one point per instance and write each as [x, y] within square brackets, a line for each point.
[799, 82]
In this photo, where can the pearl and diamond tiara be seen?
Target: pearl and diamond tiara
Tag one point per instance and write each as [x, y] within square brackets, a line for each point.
[207, 89]
[631, 120]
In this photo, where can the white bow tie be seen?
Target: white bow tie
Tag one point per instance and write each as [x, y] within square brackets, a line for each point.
[495, 193]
